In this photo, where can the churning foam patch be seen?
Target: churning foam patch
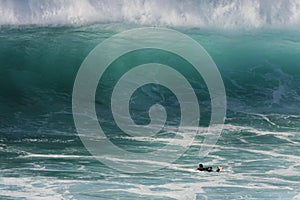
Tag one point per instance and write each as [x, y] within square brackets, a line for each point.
[185, 13]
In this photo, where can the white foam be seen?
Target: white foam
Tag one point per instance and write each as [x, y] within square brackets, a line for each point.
[297, 197]
[31, 189]
[29, 155]
[176, 13]
[184, 186]
[186, 190]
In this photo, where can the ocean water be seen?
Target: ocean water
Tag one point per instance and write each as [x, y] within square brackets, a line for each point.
[256, 48]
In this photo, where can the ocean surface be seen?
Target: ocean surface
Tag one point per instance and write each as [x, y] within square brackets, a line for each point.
[256, 47]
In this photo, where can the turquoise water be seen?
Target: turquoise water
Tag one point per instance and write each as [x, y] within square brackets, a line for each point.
[42, 156]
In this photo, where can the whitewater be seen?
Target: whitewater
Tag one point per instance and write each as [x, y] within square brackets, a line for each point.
[255, 46]
[204, 14]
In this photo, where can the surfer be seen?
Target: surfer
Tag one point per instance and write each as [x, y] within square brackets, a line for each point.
[219, 168]
[208, 169]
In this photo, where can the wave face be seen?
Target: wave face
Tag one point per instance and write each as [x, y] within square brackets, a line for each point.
[38, 68]
[175, 13]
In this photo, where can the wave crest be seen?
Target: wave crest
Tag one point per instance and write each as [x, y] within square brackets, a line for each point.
[185, 13]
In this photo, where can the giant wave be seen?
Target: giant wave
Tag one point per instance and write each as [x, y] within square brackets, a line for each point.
[42, 46]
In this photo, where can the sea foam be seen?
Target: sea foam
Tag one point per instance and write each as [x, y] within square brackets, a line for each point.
[225, 14]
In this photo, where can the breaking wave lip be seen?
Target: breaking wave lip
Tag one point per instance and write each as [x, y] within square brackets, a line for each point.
[179, 13]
